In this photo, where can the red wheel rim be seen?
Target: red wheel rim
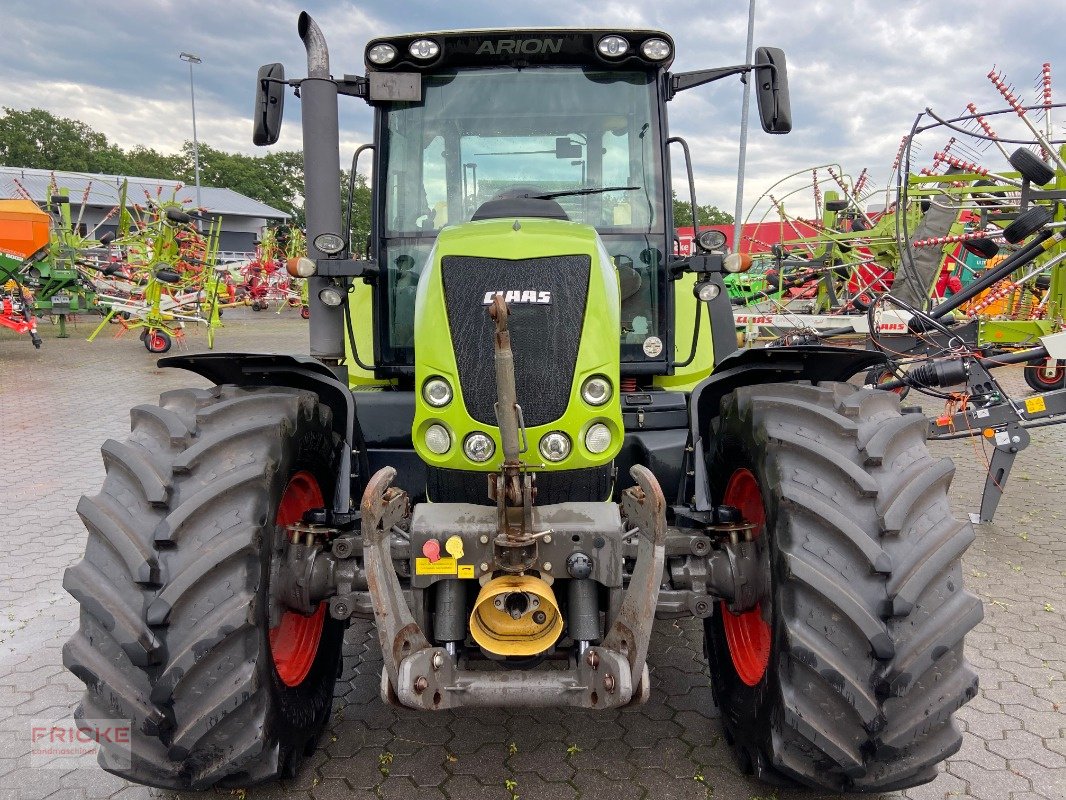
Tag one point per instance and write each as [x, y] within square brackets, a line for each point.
[887, 376]
[747, 634]
[294, 642]
[158, 343]
[1040, 373]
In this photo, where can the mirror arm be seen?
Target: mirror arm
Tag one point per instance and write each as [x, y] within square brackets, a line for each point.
[354, 86]
[351, 85]
[687, 80]
[294, 82]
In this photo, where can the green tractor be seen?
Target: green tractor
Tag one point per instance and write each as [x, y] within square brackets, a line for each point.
[521, 435]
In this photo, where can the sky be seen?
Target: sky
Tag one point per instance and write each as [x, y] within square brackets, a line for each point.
[859, 70]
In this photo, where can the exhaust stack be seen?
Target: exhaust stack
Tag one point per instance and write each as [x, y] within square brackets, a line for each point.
[321, 141]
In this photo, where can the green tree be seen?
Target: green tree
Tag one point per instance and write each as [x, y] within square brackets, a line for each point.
[144, 162]
[275, 179]
[39, 139]
[707, 215]
[360, 231]
[285, 171]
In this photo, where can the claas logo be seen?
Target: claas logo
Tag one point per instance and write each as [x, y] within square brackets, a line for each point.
[530, 297]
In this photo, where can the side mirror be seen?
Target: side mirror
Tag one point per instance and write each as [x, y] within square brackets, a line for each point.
[269, 104]
[771, 87]
[565, 148]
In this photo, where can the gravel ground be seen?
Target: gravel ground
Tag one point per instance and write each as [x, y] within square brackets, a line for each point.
[57, 406]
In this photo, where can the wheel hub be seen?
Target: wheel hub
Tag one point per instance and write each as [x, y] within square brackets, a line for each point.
[294, 640]
[747, 634]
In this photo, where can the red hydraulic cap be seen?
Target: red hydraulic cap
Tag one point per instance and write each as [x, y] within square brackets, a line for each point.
[431, 550]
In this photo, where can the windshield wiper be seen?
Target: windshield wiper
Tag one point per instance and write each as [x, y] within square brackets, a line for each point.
[575, 192]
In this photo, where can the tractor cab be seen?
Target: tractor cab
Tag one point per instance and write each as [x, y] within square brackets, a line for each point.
[532, 124]
[465, 119]
[534, 164]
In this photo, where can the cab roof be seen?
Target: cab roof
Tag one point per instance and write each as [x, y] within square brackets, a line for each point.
[521, 47]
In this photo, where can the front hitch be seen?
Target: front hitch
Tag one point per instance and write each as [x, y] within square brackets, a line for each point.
[420, 675]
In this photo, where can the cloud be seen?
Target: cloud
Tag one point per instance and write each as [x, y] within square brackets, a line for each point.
[859, 71]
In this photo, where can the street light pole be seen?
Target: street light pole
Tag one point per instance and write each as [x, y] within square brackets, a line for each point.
[739, 209]
[189, 57]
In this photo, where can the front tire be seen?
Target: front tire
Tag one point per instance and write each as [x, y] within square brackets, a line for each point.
[174, 589]
[865, 611]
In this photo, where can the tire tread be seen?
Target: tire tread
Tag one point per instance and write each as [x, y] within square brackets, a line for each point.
[873, 612]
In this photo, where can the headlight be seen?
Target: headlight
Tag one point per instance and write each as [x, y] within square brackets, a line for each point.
[707, 291]
[437, 392]
[656, 49]
[596, 390]
[438, 440]
[331, 296]
[613, 46]
[555, 446]
[711, 240]
[598, 438]
[329, 243]
[478, 447]
[424, 49]
[381, 54]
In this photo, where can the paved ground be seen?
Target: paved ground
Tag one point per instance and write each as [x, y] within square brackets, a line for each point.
[59, 404]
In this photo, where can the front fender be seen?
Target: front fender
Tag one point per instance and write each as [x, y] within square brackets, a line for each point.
[753, 366]
[297, 372]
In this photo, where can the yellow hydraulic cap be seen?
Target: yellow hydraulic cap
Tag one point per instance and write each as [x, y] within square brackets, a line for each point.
[454, 546]
[516, 615]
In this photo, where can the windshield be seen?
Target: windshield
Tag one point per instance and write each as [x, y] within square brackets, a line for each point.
[478, 134]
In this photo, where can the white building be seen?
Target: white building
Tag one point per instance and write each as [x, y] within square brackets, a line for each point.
[243, 218]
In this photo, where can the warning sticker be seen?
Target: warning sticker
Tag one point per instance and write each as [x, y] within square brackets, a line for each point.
[653, 346]
[466, 570]
[1035, 405]
[442, 566]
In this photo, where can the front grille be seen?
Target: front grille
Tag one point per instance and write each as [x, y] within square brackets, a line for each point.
[544, 338]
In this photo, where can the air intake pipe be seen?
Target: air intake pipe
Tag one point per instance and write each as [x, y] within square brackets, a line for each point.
[322, 200]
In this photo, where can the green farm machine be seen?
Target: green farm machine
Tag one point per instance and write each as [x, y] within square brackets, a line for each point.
[522, 433]
[40, 253]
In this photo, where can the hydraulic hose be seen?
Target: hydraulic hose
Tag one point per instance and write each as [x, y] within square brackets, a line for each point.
[949, 372]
